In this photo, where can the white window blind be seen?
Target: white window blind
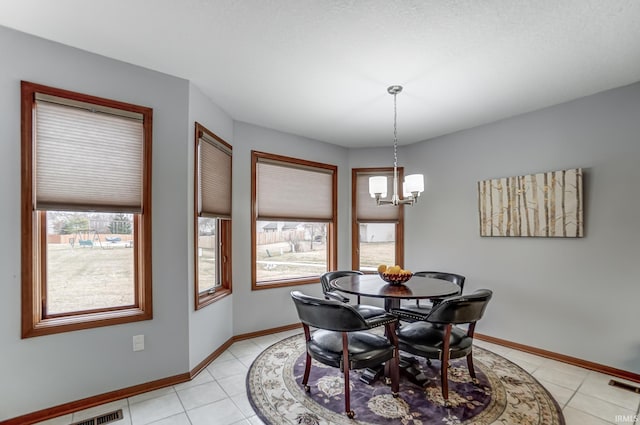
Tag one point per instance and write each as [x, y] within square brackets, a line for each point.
[214, 178]
[288, 191]
[87, 158]
[366, 208]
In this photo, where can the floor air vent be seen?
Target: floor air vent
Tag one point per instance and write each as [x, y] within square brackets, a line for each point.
[102, 419]
[624, 385]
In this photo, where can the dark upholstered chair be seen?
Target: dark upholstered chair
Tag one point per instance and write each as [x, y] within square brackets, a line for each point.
[329, 293]
[438, 337]
[341, 340]
[416, 311]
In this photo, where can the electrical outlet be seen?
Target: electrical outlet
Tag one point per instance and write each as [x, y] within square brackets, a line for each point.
[138, 342]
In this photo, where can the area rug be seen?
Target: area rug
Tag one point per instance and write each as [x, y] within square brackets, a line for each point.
[506, 394]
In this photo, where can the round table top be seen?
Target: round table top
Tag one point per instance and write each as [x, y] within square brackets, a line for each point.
[372, 285]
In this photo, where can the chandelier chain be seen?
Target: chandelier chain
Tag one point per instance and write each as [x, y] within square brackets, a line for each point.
[395, 132]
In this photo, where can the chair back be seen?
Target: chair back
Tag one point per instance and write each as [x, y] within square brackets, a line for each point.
[461, 308]
[458, 279]
[327, 314]
[327, 277]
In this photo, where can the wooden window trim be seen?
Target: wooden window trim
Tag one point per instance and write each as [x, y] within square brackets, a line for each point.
[33, 320]
[225, 289]
[332, 225]
[203, 300]
[355, 228]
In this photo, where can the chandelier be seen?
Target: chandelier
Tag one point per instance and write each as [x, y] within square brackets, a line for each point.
[413, 184]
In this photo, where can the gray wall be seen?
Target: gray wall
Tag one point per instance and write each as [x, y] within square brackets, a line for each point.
[578, 297]
[41, 372]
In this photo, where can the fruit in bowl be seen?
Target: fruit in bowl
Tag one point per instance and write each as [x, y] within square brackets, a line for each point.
[394, 275]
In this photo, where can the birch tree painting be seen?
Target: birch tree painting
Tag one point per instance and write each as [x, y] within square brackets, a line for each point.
[542, 205]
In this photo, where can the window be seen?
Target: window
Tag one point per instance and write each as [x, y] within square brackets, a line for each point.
[377, 231]
[86, 211]
[294, 204]
[213, 217]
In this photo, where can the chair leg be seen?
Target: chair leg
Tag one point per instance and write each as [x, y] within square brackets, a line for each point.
[472, 371]
[307, 365]
[393, 366]
[345, 368]
[307, 370]
[444, 379]
[470, 331]
[395, 375]
[444, 369]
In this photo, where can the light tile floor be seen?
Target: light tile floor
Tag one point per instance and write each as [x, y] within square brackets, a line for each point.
[217, 396]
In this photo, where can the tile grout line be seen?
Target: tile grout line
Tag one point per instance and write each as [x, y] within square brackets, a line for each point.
[227, 396]
[573, 395]
[184, 410]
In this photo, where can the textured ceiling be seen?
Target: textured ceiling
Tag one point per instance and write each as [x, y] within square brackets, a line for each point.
[320, 68]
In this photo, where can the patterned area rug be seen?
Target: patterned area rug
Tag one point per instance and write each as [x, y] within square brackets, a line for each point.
[506, 393]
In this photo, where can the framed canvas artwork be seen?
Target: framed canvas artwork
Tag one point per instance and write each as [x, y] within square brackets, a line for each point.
[535, 205]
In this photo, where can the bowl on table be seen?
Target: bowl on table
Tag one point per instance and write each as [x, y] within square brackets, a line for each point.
[396, 278]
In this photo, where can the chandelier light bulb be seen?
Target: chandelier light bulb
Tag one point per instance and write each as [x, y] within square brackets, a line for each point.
[414, 183]
[378, 186]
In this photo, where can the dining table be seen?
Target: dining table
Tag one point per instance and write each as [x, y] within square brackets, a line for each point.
[416, 288]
